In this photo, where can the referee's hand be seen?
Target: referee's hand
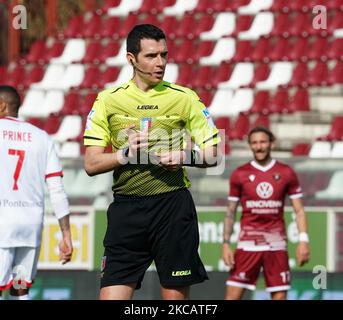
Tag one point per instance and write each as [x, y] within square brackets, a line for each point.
[173, 160]
[137, 140]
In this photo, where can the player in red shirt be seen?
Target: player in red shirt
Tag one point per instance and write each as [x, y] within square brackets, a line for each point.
[261, 187]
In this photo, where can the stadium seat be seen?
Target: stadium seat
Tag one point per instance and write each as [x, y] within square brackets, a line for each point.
[301, 149]
[243, 23]
[205, 23]
[204, 7]
[318, 76]
[243, 51]
[261, 51]
[336, 130]
[72, 103]
[240, 129]
[336, 74]
[299, 50]
[120, 58]
[320, 149]
[241, 101]
[36, 122]
[186, 74]
[52, 124]
[53, 103]
[124, 8]
[228, 5]
[261, 120]
[70, 128]
[279, 102]
[280, 74]
[220, 102]
[262, 25]
[255, 6]
[242, 75]
[206, 96]
[223, 50]
[72, 77]
[300, 25]
[107, 4]
[34, 75]
[16, 77]
[334, 189]
[221, 73]
[335, 25]
[87, 104]
[335, 50]
[108, 76]
[168, 26]
[224, 124]
[280, 50]
[204, 49]
[224, 25]
[32, 102]
[110, 28]
[74, 50]
[299, 76]
[186, 26]
[149, 7]
[35, 54]
[318, 49]
[125, 75]
[180, 7]
[281, 25]
[300, 102]
[91, 79]
[337, 150]
[260, 103]
[280, 6]
[111, 49]
[127, 24]
[261, 74]
[74, 29]
[93, 51]
[92, 29]
[52, 74]
[180, 54]
[54, 51]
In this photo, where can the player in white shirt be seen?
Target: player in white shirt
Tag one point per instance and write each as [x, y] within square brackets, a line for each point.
[27, 161]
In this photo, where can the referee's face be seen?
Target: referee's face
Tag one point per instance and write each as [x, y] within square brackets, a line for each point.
[151, 61]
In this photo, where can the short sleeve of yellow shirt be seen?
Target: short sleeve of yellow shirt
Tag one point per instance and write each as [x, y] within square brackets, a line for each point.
[200, 124]
[97, 131]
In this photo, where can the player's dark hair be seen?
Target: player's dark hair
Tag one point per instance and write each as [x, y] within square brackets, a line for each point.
[11, 96]
[139, 32]
[261, 129]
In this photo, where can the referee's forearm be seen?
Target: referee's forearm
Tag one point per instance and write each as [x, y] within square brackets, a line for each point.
[101, 162]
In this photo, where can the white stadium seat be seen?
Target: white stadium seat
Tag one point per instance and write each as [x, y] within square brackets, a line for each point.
[180, 7]
[337, 150]
[32, 103]
[125, 7]
[224, 25]
[262, 25]
[241, 75]
[120, 58]
[220, 103]
[241, 101]
[52, 75]
[70, 128]
[280, 74]
[320, 149]
[74, 50]
[224, 50]
[255, 6]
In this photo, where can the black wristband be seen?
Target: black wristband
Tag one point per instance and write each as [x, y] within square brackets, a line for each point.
[125, 154]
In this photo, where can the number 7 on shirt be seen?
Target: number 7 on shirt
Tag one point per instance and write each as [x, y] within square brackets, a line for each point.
[21, 155]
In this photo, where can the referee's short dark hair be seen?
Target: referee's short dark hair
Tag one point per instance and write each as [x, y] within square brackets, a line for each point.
[11, 96]
[264, 130]
[139, 32]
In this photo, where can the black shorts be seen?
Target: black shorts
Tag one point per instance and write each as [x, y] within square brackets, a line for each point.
[163, 228]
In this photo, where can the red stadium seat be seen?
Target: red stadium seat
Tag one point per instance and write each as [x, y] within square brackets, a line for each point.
[186, 72]
[335, 50]
[3, 74]
[35, 75]
[149, 7]
[72, 102]
[300, 101]
[206, 96]
[74, 29]
[107, 4]
[150, 19]
[281, 25]
[87, 103]
[335, 23]
[318, 49]
[111, 49]
[279, 103]
[186, 26]
[91, 79]
[280, 50]
[110, 28]
[180, 54]
[204, 49]
[127, 25]
[299, 76]
[168, 26]
[301, 149]
[108, 76]
[224, 124]
[318, 76]
[300, 25]
[93, 28]
[334, 4]
[262, 50]
[221, 73]
[93, 51]
[336, 130]
[336, 74]
[204, 6]
[261, 120]
[261, 103]
[240, 129]
[52, 124]
[37, 122]
[280, 5]
[261, 74]
[205, 23]
[243, 51]
[35, 54]
[243, 23]
[203, 77]
[55, 51]
[16, 77]
[299, 50]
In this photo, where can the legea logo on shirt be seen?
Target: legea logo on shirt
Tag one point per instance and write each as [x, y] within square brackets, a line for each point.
[264, 190]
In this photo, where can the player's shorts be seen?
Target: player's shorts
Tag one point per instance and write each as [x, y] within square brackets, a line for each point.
[18, 267]
[163, 228]
[248, 265]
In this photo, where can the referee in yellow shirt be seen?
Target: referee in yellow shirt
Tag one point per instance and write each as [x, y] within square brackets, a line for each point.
[152, 217]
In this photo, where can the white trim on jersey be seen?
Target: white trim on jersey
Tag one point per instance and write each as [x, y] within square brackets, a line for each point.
[236, 199]
[278, 288]
[262, 168]
[240, 285]
[296, 196]
[253, 248]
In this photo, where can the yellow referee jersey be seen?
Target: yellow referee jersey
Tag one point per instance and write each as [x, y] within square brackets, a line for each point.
[169, 111]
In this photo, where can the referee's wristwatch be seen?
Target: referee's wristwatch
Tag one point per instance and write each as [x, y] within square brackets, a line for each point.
[125, 154]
